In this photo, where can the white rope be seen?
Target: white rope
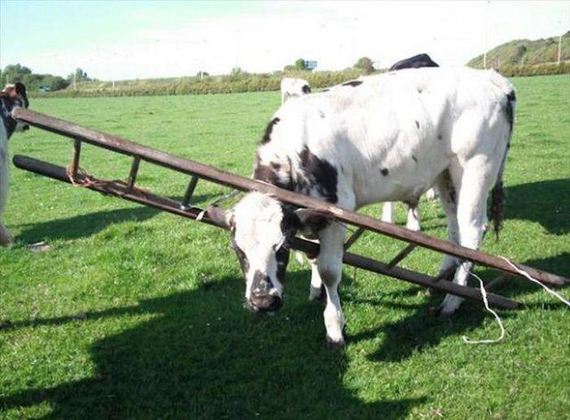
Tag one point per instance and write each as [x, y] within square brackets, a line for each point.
[467, 340]
[528, 276]
[201, 216]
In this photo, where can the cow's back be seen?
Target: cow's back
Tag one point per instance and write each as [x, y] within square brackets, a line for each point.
[392, 134]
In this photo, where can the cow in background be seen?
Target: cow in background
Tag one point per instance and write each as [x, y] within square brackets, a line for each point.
[11, 96]
[292, 88]
[415, 62]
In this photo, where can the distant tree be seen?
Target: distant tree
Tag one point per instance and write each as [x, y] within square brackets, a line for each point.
[365, 63]
[202, 74]
[80, 76]
[54, 82]
[15, 73]
[300, 64]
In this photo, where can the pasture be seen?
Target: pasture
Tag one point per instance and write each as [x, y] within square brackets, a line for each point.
[135, 313]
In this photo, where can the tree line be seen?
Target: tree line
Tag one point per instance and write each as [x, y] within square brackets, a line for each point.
[40, 82]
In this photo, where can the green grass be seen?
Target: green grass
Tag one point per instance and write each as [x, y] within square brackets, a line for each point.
[136, 313]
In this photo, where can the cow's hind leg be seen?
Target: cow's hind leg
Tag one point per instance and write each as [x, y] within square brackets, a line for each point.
[413, 222]
[447, 190]
[329, 265]
[472, 220]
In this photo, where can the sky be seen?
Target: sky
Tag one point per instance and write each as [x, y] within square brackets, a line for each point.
[118, 40]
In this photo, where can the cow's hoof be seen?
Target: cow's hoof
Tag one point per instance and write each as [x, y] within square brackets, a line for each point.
[317, 294]
[335, 345]
[414, 227]
[444, 310]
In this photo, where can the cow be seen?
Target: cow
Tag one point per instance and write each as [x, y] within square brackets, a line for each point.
[292, 88]
[10, 97]
[383, 138]
[415, 62]
[413, 219]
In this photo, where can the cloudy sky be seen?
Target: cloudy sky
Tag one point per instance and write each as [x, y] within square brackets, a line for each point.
[142, 39]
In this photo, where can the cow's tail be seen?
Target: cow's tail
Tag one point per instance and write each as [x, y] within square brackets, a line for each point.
[496, 211]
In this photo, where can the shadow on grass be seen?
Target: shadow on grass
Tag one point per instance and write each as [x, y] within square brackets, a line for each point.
[421, 329]
[544, 202]
[85, 225]
[203, 355]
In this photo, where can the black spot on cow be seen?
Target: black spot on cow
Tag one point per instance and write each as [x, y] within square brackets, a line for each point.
[418, 124]
[272, 174]
[415, 159]
[353, 83]
[384, 171]
[319, 174]
[439, 137]
[306, 89]
[509, 109]
[290, 222]
[282, 257]
[267, 135]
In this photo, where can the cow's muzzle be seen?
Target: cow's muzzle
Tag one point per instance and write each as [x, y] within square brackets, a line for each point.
[264, 303]
[264, 297]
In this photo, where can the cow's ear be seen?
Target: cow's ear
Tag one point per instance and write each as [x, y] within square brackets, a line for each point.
[20, 88]
[312, 221]
[221, 216]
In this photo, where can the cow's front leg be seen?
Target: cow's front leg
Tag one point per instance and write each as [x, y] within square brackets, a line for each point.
[329, 265]
[316, 290]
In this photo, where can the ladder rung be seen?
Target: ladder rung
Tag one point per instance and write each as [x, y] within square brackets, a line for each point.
[353, 238]
[401, 255]
[189, 192]
[76, 156]
[133, 173]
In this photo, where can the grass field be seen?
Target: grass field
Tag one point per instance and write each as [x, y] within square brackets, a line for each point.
[134, 313]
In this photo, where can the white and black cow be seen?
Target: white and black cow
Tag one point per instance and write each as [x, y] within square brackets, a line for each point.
[10, 97]
[292, 88]
[413, 219]
[383, 138]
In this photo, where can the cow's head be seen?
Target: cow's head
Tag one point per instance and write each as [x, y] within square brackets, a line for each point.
[261, 228]
[11, 97]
